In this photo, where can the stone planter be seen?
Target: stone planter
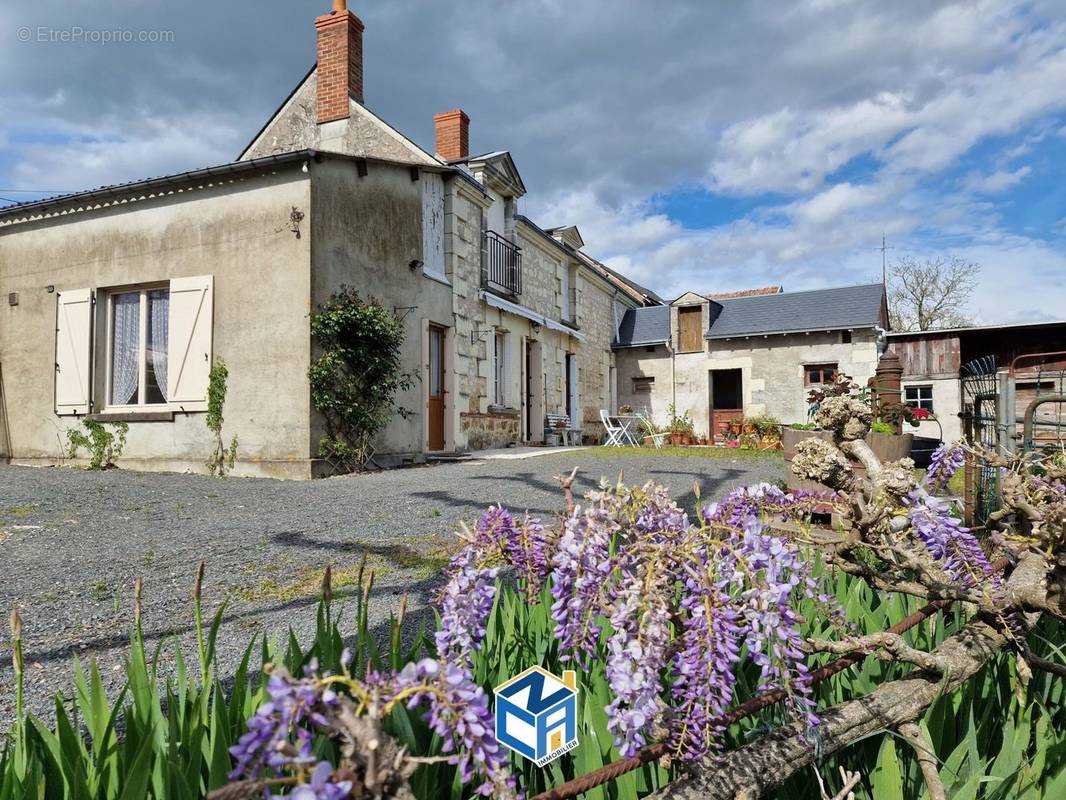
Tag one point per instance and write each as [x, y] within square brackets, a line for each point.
[886, 446]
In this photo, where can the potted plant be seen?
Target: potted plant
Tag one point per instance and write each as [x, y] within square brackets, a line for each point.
[625, 408]
[681, 427]
[649, 430]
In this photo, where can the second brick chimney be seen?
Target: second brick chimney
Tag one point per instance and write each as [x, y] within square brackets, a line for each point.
[340, 62]
[453, 135]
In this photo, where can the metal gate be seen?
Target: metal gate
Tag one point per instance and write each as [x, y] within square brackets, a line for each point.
[1016, 410]
[980, 413]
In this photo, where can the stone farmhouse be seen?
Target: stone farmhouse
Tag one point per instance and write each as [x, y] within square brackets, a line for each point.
[719, 357]
[120, 298]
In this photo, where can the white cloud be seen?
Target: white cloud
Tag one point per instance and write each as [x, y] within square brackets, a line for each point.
[996, 182]
[850, 110]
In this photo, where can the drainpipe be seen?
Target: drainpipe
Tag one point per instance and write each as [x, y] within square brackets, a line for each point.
[673, 364]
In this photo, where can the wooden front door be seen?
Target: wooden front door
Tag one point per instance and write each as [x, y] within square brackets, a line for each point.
[435, 403]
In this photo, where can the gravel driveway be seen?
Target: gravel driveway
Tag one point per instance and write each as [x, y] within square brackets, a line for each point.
[72, 542]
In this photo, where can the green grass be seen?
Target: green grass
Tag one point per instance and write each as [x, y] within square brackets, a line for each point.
[381, 560]
[20, 512]
[709, 453]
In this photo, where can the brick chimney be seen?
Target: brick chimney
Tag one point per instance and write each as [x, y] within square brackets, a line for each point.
[340, 61]
[453, 135]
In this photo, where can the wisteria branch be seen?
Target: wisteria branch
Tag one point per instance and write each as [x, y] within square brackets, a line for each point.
[887, 646]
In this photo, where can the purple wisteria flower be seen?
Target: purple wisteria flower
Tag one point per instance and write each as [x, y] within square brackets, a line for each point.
[465, 605]
[764, 500]
[704, 669]
[636, 657]
[459, 713]
[266, 746]
[522, 545]
[946, 461]
[954, 547]
[321, 787]
[582, 567]
[775, 574]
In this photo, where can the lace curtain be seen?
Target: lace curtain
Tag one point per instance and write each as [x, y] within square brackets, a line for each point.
[125, 345]
[158, 317]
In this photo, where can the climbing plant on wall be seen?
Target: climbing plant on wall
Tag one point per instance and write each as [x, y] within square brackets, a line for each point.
[223, 458]
[356, 375]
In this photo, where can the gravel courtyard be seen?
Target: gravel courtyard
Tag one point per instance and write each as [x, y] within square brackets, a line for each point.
[72, 542]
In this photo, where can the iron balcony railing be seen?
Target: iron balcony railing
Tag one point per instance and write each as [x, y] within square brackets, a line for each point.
[501, 264]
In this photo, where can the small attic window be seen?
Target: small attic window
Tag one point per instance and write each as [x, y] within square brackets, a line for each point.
[643, 384]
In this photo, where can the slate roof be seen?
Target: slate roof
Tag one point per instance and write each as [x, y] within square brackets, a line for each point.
[745, 293]
[640, 326]
[786, 312]
[794, 312]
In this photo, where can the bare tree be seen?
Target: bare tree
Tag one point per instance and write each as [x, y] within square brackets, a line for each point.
[931, 293]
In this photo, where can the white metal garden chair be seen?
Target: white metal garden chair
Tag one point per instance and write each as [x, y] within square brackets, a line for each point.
[615, 431]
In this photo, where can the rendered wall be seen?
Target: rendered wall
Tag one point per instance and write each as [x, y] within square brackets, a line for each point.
[239, 233]
[365, 233]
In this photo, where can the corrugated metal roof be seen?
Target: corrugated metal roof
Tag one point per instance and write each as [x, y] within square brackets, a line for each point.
[640, 326]
[818, 309]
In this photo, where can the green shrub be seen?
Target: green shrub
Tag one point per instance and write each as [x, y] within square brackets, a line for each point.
[104, 446]
[355, 378]
[882, 427]
[803, 426]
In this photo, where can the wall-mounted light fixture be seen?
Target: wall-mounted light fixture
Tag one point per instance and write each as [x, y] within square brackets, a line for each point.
[415, 264]
[535, 326]
[50, 289]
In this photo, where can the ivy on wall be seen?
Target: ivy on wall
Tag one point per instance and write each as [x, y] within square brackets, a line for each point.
[223, 458]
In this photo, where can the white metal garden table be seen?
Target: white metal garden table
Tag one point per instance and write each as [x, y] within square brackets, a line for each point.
[630, 427]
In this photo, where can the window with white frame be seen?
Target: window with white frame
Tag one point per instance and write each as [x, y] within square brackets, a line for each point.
[919, 397]
[499, 367]
[137, 351]
[149, 345]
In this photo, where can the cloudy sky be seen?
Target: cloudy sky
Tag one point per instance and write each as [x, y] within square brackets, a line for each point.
[699, 145]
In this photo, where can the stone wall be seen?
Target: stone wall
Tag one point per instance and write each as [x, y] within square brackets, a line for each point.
[772, 371]
[544, 279]
[490, 431]
[646, 362]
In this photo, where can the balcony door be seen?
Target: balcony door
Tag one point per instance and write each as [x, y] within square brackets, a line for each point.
[435, 401]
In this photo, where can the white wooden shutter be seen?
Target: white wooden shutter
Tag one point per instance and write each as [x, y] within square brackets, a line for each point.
[74, 326]
[189, 341]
